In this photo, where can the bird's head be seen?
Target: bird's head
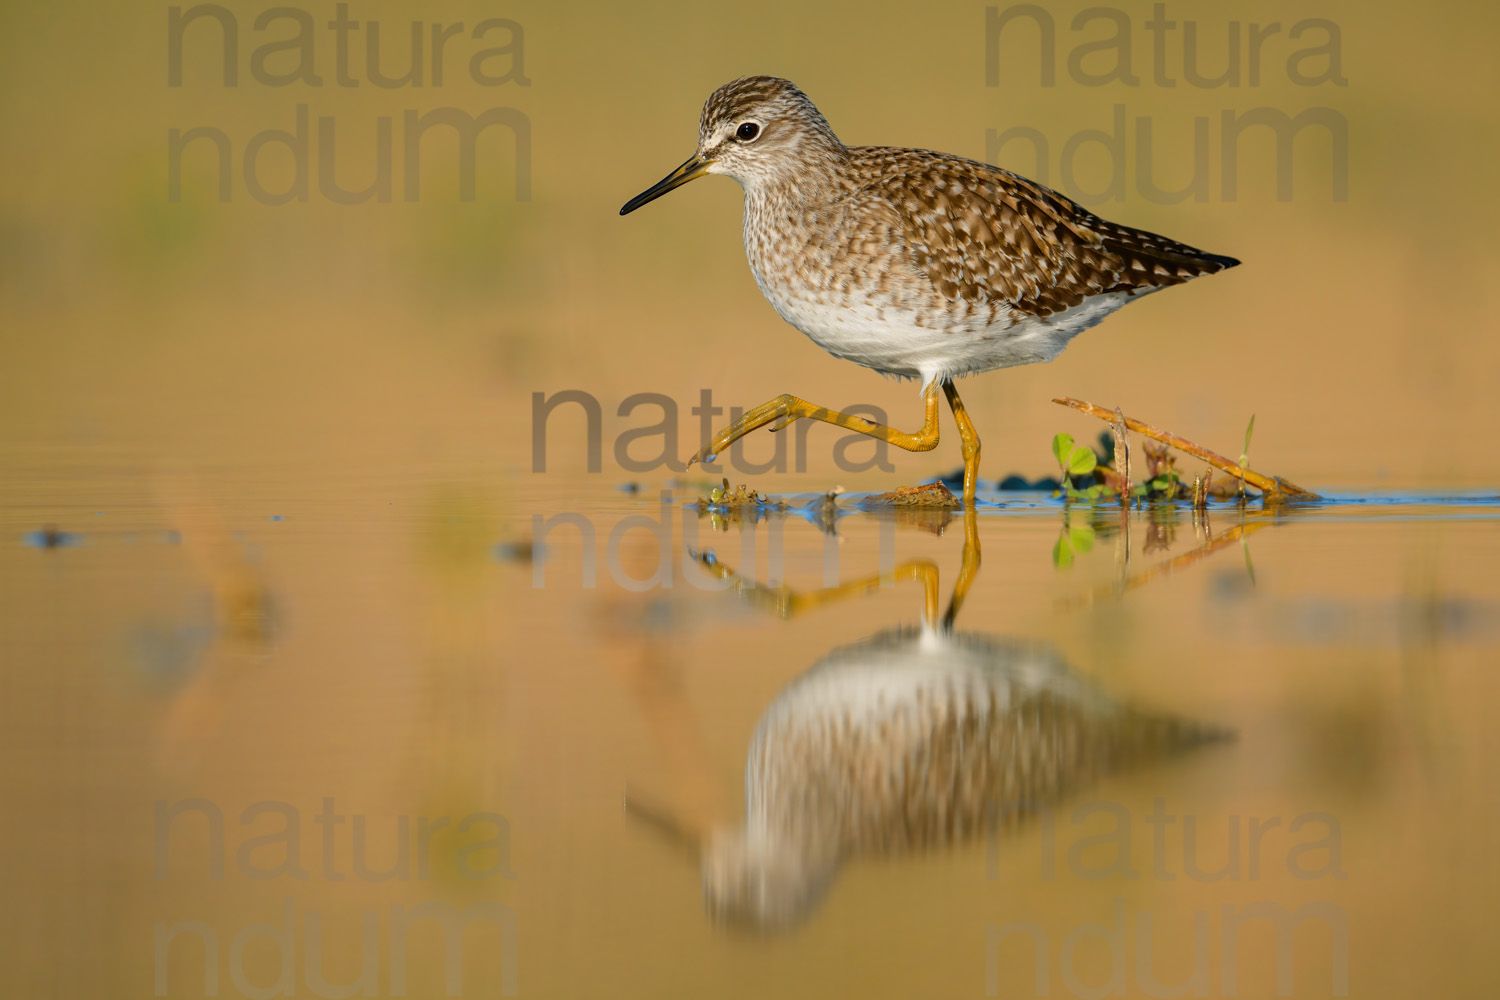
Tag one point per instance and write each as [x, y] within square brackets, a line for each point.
[757, 881]
[753, 878]
[758, 130]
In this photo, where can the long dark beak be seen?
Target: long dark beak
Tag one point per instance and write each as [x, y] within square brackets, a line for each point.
[663, 822]
[694, 168]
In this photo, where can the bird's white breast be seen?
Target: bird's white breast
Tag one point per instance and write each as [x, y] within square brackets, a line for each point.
[899, 325]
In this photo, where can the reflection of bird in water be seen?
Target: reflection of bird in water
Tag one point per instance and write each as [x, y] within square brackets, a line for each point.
[911, 740]
[908, 741]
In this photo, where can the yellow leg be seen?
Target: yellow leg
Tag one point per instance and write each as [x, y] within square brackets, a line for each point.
[968, 569]
[784, 602]
[970, 439]
[784, 409]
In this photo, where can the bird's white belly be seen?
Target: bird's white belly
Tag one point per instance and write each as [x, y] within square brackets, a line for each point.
[930, 343]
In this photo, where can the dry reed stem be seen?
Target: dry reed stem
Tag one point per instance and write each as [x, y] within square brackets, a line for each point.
[1273, 486]
[1122, 455]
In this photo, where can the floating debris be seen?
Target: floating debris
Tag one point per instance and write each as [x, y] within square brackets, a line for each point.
[517, 552]
[824, 511]
[927, 495]
[631, 487]
[51, 537]
[725, 497]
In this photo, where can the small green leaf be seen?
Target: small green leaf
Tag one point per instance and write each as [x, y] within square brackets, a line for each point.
[1081, 536]
[1062, 446]
[1062, 554]
[1081, 461]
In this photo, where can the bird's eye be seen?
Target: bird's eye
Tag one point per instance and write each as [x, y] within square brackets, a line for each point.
[747, 131]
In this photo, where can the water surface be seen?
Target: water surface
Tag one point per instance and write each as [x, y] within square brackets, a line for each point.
[389, 688]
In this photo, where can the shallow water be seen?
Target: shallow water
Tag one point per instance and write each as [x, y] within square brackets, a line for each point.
[325, 661]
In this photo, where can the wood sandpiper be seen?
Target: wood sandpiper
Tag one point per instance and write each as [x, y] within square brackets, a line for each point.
[914, 263]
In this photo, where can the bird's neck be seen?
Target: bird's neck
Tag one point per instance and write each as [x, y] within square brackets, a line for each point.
[812, 183]
[808, 171]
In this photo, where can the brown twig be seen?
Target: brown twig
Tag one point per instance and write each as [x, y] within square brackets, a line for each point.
[1270, 485]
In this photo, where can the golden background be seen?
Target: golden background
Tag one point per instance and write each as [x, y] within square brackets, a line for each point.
[1359, 332]
[365, 374]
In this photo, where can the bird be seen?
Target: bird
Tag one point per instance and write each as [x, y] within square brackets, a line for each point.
[913, 263]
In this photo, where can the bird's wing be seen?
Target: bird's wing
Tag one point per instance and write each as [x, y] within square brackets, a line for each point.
[987, 235]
